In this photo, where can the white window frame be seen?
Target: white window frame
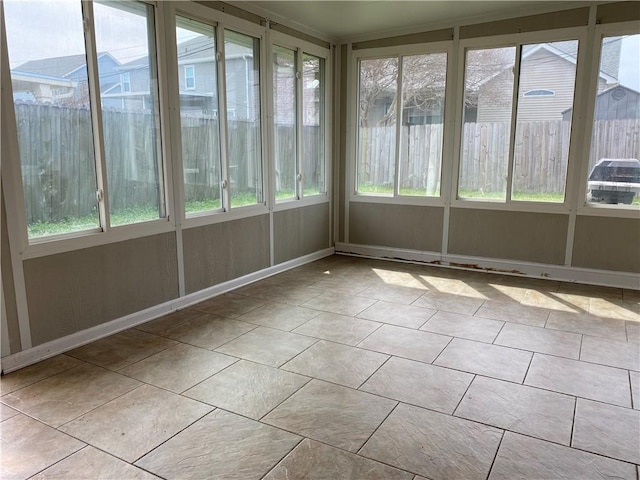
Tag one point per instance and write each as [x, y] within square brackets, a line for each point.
[584, 207]
[515, 40]
[352, 138]
[192, 69]
[105, 234]
[300, 47]
[126, 82]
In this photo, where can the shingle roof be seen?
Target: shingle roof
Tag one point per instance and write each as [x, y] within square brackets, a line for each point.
[55, 66]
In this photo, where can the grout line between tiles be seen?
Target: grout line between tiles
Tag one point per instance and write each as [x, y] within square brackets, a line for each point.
[376, 429]
[495, 456]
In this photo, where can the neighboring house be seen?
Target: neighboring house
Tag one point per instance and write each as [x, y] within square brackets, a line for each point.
[616, 103]
[62, 78]
[547, 79]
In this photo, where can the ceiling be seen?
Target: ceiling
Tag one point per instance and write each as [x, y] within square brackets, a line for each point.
[350, 20]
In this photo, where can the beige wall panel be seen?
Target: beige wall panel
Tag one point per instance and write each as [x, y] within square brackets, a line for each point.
[223, 251]
[8, 286]
[607, 243]
[398, 226]
[300, 231]
[423, 37]
[546, 21]
[618, 12]
[525, 236]
[72, 291]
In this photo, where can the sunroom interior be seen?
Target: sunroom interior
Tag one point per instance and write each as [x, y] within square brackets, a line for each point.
[158, 155]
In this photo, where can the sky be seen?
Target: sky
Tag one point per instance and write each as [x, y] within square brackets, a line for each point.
[123, 34]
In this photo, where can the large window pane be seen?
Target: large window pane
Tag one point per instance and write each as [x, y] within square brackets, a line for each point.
[313, 122]
[614, 166]
[51, 97]
[423, 88]
[130, 120]
[284, 111]
[242, 63]
[488, 97]
[198, 87]
[543, 124]
[377, 105]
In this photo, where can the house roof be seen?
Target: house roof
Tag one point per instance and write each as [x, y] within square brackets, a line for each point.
[58, 66]
[610, 90]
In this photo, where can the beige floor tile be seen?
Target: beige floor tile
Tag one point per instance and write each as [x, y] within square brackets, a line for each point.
[63, 397]
[293, 294]
[527, 410]
[443, 283]
[160, 325]
[29, 446]
[122, 349]
[229, 305]
[419, 384]
[635, 389]
[248, 388]
[209, 331]
[558, 302]
[588, 325]
[6, 412]
[336, 363]
[339, 284]
[397, 314]
[611, 353]
[393, 293]
[221, 445]
[513, 312]
[406, 342]
[34, 373]
[449, 302]
[338, 328]
[279, 315]
[603, 307]
[494, 290]
[135, 423]
[542, 340]
[633, 331]
[340, 303]
[489, 360]
[179, 367]
[339, 416]
[590, 290]
[463, 326]
[267, 346]
[91, 463]
[587, 380]
[523, 458]
[433, 444]
[311, 460]
[607, 430]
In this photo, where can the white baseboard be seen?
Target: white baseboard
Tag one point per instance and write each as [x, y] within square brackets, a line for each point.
[75, 340]
[492, 265]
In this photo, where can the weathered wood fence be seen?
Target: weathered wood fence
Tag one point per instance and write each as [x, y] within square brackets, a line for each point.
[540, 154]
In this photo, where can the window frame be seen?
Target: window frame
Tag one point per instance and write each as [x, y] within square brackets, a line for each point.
[516, 40]
[583, 207]
[126, 82]
[353, 195]
[300, 47]
[105, 233]
[192, 69]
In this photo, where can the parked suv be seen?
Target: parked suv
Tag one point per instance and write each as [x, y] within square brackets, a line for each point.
[614, 180]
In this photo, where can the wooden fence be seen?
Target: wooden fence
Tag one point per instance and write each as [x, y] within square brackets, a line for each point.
[540, 154]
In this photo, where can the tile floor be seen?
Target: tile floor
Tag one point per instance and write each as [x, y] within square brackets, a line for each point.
[345, 368]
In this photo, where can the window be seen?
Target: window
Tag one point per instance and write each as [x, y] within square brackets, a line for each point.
[55, 133]
[298, 100]
[285, 122]
[401, 156]
[131, 130]
[126, 82]
[522, 157]
[200, 127]
[63, 178]
[614, 160]
[189, 77]
[242, 72]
